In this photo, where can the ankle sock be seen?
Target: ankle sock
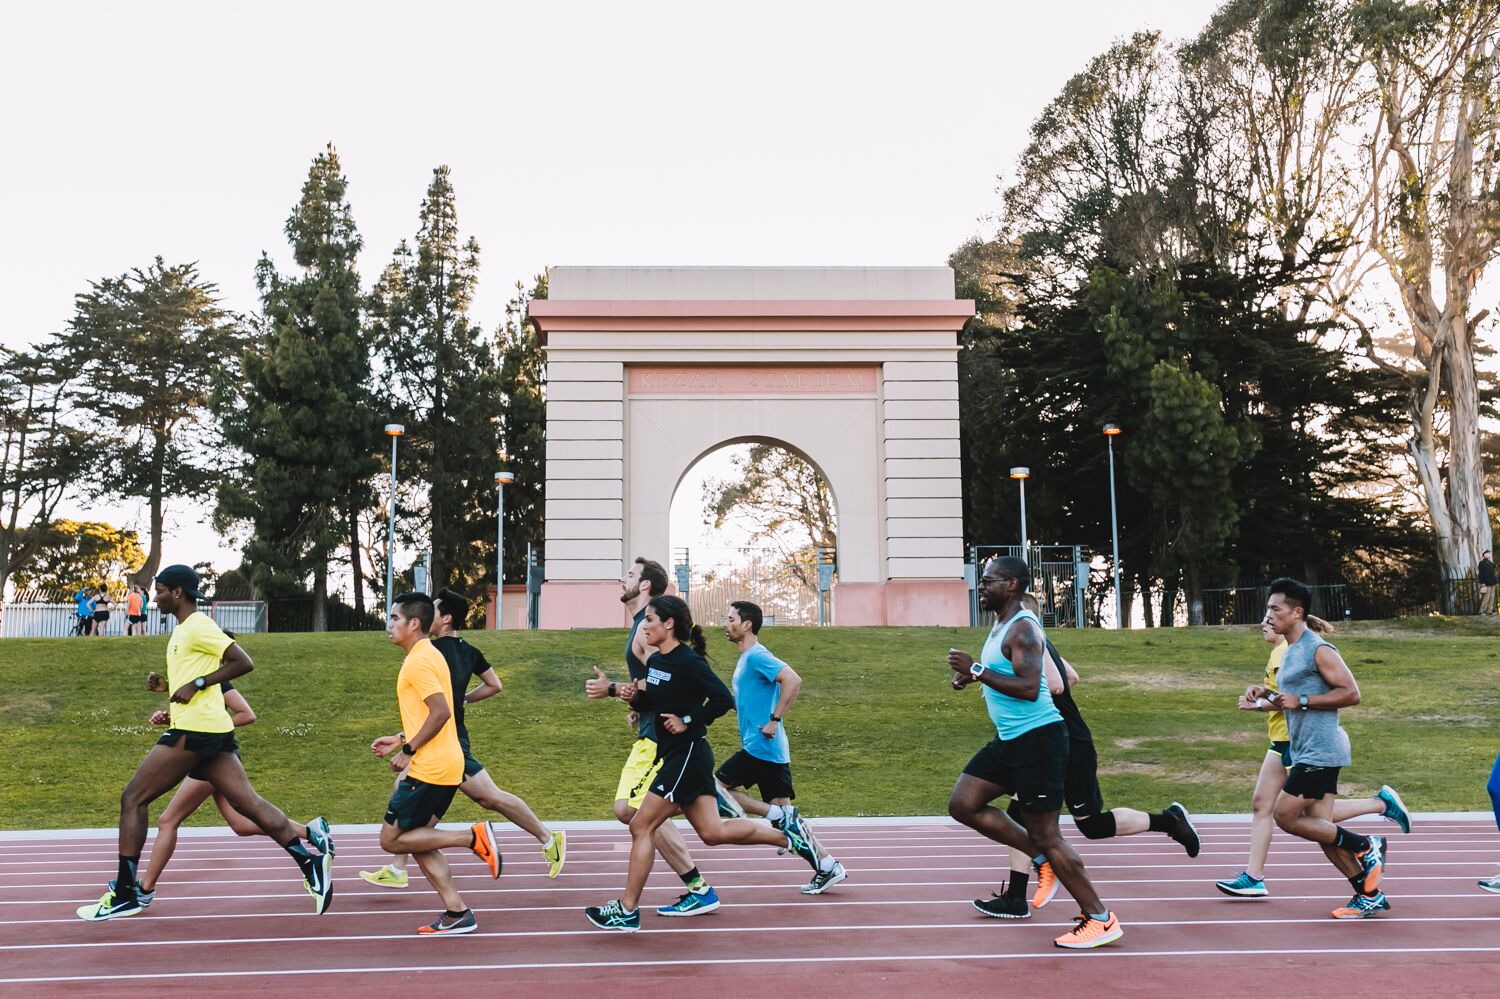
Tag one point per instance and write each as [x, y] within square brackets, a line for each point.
[1016, 886]
[455, 915]
[125, 876]
[694, 881]
[775, 813]
[1160, 822]
[827, 864]
[1346, 840]
[299, 853]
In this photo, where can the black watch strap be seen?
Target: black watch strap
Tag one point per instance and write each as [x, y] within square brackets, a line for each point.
[200, 682]
[406, 748]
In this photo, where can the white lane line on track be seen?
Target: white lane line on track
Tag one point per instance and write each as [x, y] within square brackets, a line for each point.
[827, 900]
[720, 961]
[984, 925]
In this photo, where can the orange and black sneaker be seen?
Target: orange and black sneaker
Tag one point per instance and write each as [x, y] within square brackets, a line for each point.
[1089, 933]
[1046, 886]
[484, 847]
[1363, 906]
[1372, 863]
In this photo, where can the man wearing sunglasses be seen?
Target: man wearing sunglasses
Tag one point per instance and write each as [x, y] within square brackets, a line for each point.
[1028, 758]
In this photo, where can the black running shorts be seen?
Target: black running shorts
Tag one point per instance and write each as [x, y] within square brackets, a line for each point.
[1081, 792]
[204, 744]
[1305, 781]
[416, 803]
[686, 774]
[744, 769]
[1032, 767]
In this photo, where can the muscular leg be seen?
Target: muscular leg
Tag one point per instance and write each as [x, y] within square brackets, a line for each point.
[761, 809]
[669, 842]
[970, 804]
[1042, 830]
[422, 839]
[650, 817]
[227, 776]
[243, 826]
[1345, 809]
[1313, 820]
[185, 802]
[159, 772]
[703, 813]
[1263, 812]
[481, 788]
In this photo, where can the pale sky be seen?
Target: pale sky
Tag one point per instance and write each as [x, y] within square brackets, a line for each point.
[578, 133]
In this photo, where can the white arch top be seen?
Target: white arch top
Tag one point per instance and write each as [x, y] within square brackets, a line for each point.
[649, 369]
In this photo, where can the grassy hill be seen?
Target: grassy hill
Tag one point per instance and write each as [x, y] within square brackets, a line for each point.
[877, 731]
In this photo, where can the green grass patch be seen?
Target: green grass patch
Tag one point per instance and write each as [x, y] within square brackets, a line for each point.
[877, 731]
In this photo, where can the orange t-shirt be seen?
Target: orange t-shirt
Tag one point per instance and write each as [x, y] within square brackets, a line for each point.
[134, 605]
[424, 673]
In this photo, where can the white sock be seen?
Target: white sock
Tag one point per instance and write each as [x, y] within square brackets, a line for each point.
[827, 864]
[774, 813]
[397, 870]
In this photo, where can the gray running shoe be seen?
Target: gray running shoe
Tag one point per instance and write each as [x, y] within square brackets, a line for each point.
[824, 880]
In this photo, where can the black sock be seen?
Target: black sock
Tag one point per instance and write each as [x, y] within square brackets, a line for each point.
[125, 876]
[1358, 883]
[1346, 840]
[690, 876]
[1160, 822]
[299, 853]
[1016, 887]
[455, 915]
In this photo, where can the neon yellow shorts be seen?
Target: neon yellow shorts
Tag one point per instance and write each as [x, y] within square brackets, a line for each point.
[640, 769]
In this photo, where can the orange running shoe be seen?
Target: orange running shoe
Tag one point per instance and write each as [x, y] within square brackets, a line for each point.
[1046, 886]
[1089, 933]
[484, 847]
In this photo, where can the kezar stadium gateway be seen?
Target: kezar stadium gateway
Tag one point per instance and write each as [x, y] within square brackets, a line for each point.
[854, 369]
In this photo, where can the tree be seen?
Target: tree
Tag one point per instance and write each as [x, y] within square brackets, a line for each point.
[522, 381]
[443, 377]
[41, 457]
[71, 553]
[303, 412]
[142, 353]
[781, 499]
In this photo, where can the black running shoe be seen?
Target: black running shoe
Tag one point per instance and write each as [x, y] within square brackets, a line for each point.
[1004, 907]
[1184, 833]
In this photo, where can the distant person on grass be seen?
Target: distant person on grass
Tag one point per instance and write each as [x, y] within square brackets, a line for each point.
[1028, 758]
[431, 763]
[101, 605]
[683, 696]
[135, 610]
[646, 578]
[765, 688]
[199, 744]
[1083, 797]
[1314, 683]
[192, 793]
[1251, 882]
[1486, 574]
[464, 664]
[83, 605]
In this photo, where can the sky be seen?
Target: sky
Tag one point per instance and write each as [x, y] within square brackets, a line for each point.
[811, 133]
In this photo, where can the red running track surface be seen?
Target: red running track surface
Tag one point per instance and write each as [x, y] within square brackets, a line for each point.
[231, 918]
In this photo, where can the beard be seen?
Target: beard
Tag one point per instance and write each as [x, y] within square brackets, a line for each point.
[630, 594]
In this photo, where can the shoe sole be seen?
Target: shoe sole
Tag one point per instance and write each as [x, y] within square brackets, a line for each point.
[1049, 896]
[698, 911]
[1100, 941]
[323, 901]
[454, 932]
[91, 913]
[384, 884]
[490, 847]
[1187, 820]
[1362, 914]
[1000, 915]
[1243, 892]
[1493, 889]
[838, 878]
[553, 870]
[617, 929]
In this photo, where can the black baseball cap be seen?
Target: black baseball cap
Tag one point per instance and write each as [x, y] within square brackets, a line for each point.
[183, 577]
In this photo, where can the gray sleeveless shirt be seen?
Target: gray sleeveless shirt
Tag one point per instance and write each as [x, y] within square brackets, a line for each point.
[1317, 738]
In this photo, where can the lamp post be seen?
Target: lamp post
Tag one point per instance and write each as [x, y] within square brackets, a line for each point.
[1111, 431]
[1021, 473]
[393, 431]
[502, 479]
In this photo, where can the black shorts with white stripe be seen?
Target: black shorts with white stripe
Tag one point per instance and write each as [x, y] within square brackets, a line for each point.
[687, 773]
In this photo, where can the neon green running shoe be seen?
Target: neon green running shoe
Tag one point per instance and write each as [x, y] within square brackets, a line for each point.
[386, 877]
[556, 853]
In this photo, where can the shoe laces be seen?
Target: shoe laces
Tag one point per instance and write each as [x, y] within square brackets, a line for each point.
[1083, 920]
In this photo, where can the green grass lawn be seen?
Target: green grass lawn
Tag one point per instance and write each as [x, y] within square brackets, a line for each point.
[877, 731]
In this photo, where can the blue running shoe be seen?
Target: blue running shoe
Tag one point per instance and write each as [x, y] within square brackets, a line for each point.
[612, 916]
[1242, 885]
[1372, 862]
[1395, 808]
[1363, 907]
[692, 904]
[729, 805]
[143, 896]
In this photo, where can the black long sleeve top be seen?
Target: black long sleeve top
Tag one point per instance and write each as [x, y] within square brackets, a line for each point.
[682, 683]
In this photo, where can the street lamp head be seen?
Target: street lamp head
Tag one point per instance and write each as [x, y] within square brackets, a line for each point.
[1020, 472]
[394, 429]
[504, 478]
[1110, 430]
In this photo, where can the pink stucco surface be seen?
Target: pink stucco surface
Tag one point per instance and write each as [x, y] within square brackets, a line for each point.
[935, 602]
[582, 604]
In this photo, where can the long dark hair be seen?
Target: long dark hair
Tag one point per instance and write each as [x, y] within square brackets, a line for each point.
[683, 628]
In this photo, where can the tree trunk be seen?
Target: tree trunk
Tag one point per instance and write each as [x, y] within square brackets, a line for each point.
[1168, 602]
[1143, 587]
[356, 568]
[147, 572]
[320, 597]
[1193, 578]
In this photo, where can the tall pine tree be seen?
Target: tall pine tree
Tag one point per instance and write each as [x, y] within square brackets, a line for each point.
[523, 429]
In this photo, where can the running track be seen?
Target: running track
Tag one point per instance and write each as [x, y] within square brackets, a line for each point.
[231, 917]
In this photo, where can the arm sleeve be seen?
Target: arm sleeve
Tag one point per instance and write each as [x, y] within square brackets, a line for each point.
[426, 681]
[717, 698]
[212, 641]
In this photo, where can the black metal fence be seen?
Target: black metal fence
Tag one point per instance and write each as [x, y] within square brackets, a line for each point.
[1247, 604]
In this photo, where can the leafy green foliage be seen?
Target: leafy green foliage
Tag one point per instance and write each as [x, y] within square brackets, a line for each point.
[71, 553]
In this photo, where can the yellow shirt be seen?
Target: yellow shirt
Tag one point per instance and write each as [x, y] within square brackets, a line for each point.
[424, 673]
[196, 649]
[1276, 723]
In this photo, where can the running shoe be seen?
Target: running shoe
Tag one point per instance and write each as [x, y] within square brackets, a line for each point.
[797, 839]
[1089, 933]
[1184, 832]
[1046, 886]
[556, 853]
[1243, 885]
[690, 904]
[485, 847]
[1491, 884]
[729, 805]
[318, 880]
[1395, 808]
[110, 907]
[1003, 906]
[1363, 906]
[444, 926]
[824, 880]
[1372, 862]
[319, 835]
[143, 896]
[612, 916]
[386, 877]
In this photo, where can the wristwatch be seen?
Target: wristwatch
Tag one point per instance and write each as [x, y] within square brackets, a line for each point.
[1302, 701]
[977, 670]
[687, 719]
[200, 682]
[406, 748]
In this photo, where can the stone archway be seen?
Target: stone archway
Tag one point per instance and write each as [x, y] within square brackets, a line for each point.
[649, 369]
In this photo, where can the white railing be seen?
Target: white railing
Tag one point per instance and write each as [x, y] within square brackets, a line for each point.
[60, 619]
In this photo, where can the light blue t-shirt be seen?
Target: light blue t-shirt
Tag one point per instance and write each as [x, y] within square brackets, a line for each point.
[756, 694]
[1012, 716]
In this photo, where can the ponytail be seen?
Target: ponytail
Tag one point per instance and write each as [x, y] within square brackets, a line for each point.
[1319, 626]
[696, 640]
